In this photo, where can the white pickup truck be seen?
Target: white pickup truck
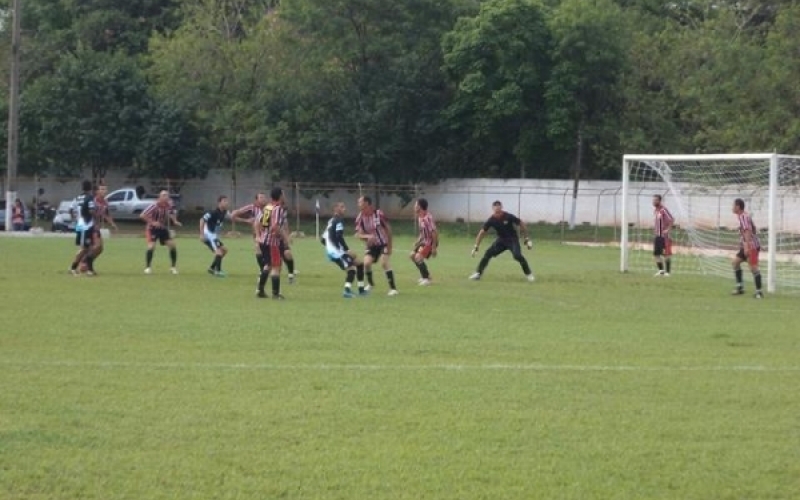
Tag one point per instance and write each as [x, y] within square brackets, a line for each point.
[127, 203]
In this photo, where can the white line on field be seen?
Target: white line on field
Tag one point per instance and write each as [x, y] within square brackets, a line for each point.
[497, 367]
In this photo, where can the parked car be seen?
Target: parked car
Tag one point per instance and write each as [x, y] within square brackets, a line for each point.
[63, 221]
[3, 216]
[129, 203]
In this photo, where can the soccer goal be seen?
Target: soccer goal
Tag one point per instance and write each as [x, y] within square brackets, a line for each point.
[699, 191]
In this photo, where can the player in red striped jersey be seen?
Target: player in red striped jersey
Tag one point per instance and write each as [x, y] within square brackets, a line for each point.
[662, 244]
[749, 247]
[271, 228]
[373, 228]
[249, 214]
[101, 217]
[157, 217]
[427, 243]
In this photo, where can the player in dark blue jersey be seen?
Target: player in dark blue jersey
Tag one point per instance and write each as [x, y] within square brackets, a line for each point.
[504, 225]
[83, 208]
[339, 253]
[210, 229]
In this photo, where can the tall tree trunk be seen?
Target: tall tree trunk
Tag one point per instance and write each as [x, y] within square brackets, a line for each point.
[577, 175]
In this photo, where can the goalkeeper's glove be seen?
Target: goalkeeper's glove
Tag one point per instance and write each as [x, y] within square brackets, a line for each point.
[528, 243]
[474, 250]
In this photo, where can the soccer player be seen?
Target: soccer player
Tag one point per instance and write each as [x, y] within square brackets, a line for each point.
[503, 223]
[427, 243]
[210, 228]
[157, 217]
[101, 216]
[286, 251]
[749, 247]
[662, 245]
[249, 214]
[339, 253]
[84, 208]
[271, 229]
[373, 228]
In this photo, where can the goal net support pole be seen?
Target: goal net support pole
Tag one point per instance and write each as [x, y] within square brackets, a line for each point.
[699, 190]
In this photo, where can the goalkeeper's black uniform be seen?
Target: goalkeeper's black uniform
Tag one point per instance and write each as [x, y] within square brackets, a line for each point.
[507, 239]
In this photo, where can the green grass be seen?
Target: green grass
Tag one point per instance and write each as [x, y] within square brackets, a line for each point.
[587, 384]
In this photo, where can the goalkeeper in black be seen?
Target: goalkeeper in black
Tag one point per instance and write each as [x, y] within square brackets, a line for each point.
[504, 225]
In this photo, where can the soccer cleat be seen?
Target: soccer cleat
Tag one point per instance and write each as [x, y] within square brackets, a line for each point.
[659, 273]
[368, 288]
[291, 279]
[74, 272]
[173, 270]
[424, 282]
[212, 272]
[278, 297]
[147, 270]
[475, 276]
[758, 295]
[261, 294]
[363, 293]
[348, 294]
[531, 278]
[90, 273]
[393, 293]
[737, 291]
[220, 274]
[666, 275]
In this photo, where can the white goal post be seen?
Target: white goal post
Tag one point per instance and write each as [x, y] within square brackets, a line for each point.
[699, 191]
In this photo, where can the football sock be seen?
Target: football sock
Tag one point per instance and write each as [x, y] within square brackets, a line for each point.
[276, 284]
[262, 280]
[360, 272]
[738, 274]
[525, 267]
[149, 257]
[668, 264]
[390, 277]
[351, 275]
[173, 256]
[90, 263]
[757, 278]
[260, 262]
[217, 264]
[369, 278]
[74, 265]
[660, 265]
[289, 265]
[423, 269]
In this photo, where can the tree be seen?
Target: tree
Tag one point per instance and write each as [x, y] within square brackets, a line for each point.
[583, 92]
[498, 61]
[90, 113]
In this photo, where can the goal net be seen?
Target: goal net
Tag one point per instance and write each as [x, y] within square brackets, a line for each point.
[699, 191]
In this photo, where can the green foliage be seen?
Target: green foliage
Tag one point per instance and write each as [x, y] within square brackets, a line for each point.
[89, 114]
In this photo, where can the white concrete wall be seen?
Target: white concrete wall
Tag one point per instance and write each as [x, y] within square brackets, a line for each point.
[598, 202]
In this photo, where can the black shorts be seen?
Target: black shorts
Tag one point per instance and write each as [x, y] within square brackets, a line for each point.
[375, 251]
[499, 246]
[272, 253]
[160, 234]
[213, 244]
[345, 261]
[662, 246]
[84, 238]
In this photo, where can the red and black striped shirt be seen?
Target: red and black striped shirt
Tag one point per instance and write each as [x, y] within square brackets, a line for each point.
[158, 213]
[427, 228]
[746, 224]
[271, 225]
[663, 222]
[373, 224]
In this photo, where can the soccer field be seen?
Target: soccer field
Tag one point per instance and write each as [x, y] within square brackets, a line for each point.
[587, 384]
